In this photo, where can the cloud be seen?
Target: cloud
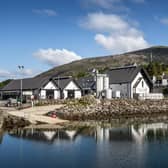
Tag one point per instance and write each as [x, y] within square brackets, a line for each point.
[26, 72]
[114, 33]
[55, 57]
[5, 74]
[110, 4]
[116, 5]
[164, 21]
[45, 12]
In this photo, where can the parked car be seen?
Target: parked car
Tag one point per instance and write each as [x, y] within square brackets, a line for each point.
[11, 102]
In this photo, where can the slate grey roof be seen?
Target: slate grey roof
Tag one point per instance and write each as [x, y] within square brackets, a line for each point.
[87, 83]
[165, 76]
[27, 84]
[126, 74]
[62, 82]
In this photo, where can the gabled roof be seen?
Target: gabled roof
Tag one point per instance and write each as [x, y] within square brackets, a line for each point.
[27, 84]
[62, 82]
[127, 74]
[87, 82]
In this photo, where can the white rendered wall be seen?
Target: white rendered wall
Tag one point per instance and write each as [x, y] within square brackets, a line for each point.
[139, 89]
[142, 90]
[27, 93]
[65, 93]
[72, 86]
[56, 94]
[164, 82]
[78, 94]
[43, 94]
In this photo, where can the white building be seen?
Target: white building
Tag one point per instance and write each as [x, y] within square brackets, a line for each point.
[131, 81]
[43, 88]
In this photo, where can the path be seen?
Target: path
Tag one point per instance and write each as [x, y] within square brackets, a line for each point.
[36, 114]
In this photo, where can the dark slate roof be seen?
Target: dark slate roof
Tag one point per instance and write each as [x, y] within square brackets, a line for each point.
[27, 84]
[165, 76]
[87, 83]
[126, 74]
[62, 82]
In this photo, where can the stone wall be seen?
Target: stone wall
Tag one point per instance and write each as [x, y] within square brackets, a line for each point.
[114, 109]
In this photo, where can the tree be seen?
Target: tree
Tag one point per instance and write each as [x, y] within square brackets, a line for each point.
[3, 83]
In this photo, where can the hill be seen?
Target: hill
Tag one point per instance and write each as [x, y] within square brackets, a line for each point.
[83, 67]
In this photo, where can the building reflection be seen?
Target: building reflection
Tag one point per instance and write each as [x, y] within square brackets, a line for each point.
[138, 134]
[44, 136]
[1, 136]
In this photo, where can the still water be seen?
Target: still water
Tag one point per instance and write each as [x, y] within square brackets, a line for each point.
[142, 146]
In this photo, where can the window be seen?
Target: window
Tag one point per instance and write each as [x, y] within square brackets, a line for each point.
[142, 83]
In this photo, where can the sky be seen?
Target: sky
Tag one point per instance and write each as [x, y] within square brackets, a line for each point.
[42, 34]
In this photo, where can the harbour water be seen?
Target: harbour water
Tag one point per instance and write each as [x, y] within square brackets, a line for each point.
[134, 146]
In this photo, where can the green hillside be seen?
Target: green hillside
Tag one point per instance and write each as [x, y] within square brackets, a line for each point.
[84, 66]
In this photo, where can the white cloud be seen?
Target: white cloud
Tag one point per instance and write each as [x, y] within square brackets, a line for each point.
[103, 3]
[114, 33]
[5, 74]
[164, 21]
[47, 12]
[111, 4]
[55, 57]
[26, 72]
[104, 22]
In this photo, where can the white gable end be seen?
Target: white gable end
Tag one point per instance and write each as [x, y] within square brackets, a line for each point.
[71, 86]
[50, 86]
[141, 88]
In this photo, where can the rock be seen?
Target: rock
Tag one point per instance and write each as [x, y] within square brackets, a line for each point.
[115, 108]
[11, 122]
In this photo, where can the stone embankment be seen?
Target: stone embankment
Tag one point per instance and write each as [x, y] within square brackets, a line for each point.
[1, 119]
[89, 108]
[11, 122]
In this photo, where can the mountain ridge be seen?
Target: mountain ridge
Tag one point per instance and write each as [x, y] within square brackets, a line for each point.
[84, 66]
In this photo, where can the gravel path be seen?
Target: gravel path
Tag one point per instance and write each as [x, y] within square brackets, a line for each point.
[36, 114]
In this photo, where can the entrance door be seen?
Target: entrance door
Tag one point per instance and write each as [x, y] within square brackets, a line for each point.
[50, 94]
[71, 94]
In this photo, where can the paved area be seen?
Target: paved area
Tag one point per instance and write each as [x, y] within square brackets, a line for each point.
[36, 114]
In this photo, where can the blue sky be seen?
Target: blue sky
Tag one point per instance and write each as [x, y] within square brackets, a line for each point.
[41, 34]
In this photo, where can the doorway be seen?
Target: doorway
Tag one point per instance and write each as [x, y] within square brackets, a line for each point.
[50, 94]
[71, 94]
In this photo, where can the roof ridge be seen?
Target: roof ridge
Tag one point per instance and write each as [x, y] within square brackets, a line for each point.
[124, 67]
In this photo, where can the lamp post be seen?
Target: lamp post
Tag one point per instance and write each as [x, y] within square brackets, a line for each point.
[21, 67]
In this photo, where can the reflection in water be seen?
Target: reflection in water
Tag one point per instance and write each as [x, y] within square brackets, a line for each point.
[138, 134]
[157, 131]
[43, 136]
[1, 135]
[140, 146]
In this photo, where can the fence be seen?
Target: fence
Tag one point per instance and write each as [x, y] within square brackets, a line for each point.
[151, 96]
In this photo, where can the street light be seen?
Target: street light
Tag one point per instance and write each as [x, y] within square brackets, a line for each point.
[21, 67]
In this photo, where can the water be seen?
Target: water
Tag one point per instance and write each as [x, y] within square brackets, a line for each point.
[142, 146]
